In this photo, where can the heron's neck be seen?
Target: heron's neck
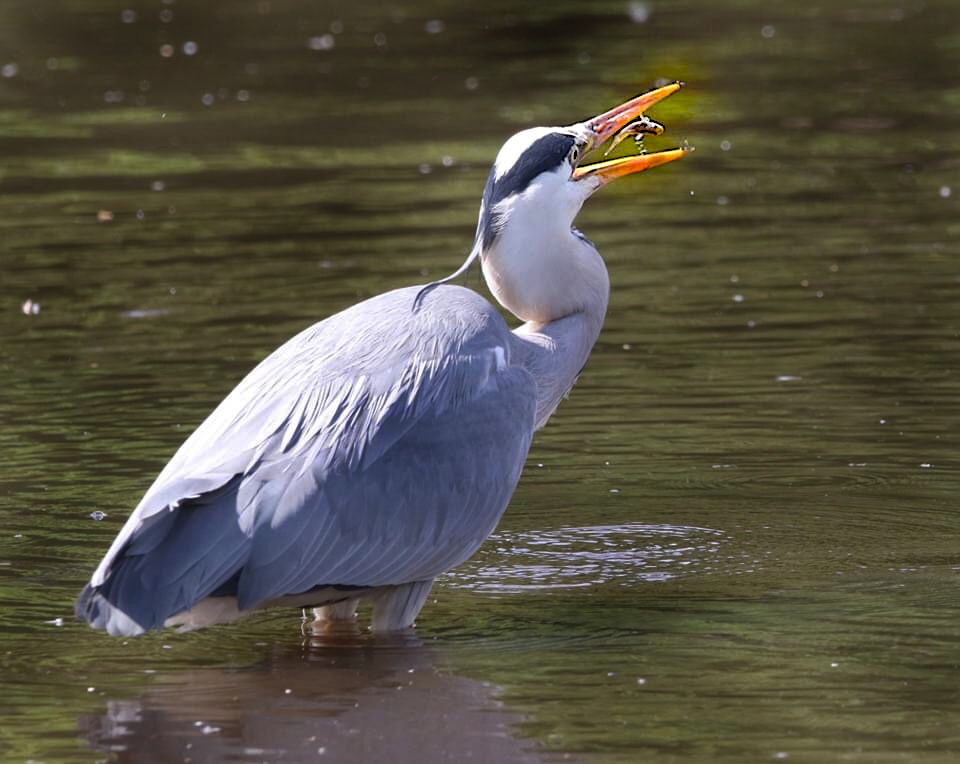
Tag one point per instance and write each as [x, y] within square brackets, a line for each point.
[560, 287]
[544, 273]
[555, 353]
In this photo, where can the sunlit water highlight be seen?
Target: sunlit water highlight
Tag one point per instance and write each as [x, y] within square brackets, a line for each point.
[578, 557]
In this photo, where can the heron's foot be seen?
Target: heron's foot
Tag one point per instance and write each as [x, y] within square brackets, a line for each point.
[396, 607]
[339, 613]
[340, 617]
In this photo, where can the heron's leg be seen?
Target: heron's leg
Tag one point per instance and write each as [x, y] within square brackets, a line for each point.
[339, 611]
[396, 607]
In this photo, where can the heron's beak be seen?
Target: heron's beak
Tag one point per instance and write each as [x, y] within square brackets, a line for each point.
[607, 125]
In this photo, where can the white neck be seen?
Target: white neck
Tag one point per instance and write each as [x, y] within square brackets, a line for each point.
[556, 281]
[536, 266]
[540, 277]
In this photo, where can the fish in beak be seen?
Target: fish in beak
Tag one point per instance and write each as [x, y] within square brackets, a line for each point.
[627, 119]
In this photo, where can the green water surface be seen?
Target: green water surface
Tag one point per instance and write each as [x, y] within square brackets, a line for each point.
[737, 541]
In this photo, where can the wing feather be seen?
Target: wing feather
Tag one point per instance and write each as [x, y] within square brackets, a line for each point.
[366, 451]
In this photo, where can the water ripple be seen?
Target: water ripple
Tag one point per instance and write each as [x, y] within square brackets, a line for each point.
[567, 558]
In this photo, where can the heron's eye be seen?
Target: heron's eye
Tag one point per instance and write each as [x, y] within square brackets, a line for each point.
[575, 155]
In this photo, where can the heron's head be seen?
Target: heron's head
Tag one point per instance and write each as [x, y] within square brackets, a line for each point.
[533, 259]
[539, 178]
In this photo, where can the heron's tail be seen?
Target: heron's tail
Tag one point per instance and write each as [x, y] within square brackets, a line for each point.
[94, 608]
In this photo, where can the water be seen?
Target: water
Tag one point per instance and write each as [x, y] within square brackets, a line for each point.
[737, 541]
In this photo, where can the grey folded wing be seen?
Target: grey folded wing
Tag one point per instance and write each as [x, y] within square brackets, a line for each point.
[323, 471]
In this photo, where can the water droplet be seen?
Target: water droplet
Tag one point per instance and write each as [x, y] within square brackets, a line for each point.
[98, 515]
[945, 192]
[158, 185]
[926, 466]
[207, 99]
[322, 42]
[723, 201]
[471, 83]
[243, 96]
[336, 26]
[638, 12]
[434, 26]
[190, 48]
[425, 169]
[166, 15]
[166, 50]
[30, 308]
[738, 298]
[9, 70]
[725, 145]
[768, 31]
[380, 39]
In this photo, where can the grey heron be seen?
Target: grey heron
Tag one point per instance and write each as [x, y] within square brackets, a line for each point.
[378, 448]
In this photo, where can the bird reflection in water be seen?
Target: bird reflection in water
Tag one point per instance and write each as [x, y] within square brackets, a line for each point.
[343, 696]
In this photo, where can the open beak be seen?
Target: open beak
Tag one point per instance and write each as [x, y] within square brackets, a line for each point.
[607, 125]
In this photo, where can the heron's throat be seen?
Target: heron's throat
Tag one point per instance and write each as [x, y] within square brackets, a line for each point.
[546, 278]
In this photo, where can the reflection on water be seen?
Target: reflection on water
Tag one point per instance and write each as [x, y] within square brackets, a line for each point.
[342, 698]
[737, 541]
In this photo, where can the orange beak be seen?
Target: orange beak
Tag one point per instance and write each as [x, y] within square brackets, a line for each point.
[607, 125]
